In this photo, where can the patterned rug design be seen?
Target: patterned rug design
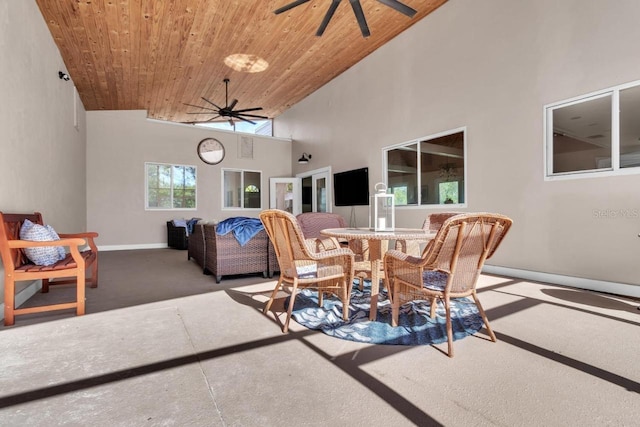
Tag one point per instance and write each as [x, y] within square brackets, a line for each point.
[415, 326]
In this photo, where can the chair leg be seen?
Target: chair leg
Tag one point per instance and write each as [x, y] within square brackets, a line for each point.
[292, 301]
[80, 293]
[434, 306]
[45, 286]
[484, 317]
[273, 296]
[395, 309]
[94, 274]
[447, 307]
[345, 300]
[9, 301]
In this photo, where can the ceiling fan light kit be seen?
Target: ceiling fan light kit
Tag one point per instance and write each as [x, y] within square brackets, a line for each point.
[246, 63]
[357, 10]
[227, 111]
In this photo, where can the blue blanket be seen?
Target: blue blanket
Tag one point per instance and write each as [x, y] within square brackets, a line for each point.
[243, 228]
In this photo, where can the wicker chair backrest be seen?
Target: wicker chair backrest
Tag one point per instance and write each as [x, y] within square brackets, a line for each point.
[311, 223]
[287, 238]
[434, 221]
[462, 245]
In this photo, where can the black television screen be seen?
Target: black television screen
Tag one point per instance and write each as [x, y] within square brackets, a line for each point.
[351, 188]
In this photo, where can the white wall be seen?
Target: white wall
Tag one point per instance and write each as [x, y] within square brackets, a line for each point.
[119, 144]
[491, 66]
[42, 154]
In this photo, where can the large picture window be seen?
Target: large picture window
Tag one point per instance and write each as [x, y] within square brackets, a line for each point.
[597, 133]
[170, 186]
[428, 171]
[241, 189]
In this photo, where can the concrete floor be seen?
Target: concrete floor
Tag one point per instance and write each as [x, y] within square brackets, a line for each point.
[163, 345]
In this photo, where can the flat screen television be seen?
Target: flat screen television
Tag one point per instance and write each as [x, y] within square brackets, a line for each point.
[351, 188]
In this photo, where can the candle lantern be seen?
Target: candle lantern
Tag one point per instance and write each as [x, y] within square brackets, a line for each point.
[382, 209]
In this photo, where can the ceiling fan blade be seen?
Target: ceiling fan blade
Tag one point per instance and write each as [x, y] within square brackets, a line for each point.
[357, 10]
[402, 8]
[327, 17]
[213, 118]
[233, 104]
[198, 106]
[248, 109]
[289, 6]
[251, 115]
[211, 103]
[245, 120]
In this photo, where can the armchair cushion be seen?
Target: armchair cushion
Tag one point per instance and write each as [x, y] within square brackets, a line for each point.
[41, 255]
[434, 280]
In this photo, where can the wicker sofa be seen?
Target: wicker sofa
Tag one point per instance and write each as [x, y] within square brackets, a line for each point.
[223, 256]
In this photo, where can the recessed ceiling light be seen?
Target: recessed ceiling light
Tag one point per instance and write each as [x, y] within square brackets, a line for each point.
[246, 63]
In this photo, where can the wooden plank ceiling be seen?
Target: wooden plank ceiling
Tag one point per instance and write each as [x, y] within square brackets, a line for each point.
[157, 55]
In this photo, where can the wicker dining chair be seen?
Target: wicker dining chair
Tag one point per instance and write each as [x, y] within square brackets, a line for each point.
[432, 223]
[459, 250]
[312, 223]
[301, 267]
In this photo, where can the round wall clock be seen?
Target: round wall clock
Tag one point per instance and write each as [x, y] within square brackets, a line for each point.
[211, 151]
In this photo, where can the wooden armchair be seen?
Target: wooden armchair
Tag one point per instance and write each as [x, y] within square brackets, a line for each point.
[459, 250]
[327, 271]
[71, 269]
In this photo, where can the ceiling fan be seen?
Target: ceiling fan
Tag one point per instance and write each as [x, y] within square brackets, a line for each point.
[357, 10]
[228, 110]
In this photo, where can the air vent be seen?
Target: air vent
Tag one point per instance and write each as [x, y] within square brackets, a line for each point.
[598, 136]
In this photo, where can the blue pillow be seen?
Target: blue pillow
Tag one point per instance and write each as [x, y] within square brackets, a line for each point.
[181, 223]
[41, 255]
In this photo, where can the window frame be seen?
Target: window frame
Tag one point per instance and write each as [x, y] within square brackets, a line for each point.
[242, 188]
[615, 169]
[171, 166]
[418, 141]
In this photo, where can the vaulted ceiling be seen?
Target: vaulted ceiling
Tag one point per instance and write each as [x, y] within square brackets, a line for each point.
[159, 55]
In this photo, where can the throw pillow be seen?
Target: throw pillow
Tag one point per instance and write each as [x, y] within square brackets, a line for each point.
[181, 223]
[41, 255]
[61, 252]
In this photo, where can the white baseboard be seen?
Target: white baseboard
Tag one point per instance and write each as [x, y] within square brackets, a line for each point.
[573, 282]
[26, 293]
[133, 247]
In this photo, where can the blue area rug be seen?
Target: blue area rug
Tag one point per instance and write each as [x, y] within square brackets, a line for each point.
[415, 326]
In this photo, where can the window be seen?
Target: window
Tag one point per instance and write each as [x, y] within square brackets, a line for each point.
[260, 127]
[170, 186]
[241, 189]
[429, 171]
[594, 134]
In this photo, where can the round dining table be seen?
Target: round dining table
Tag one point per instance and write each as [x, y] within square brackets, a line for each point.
[378, 244]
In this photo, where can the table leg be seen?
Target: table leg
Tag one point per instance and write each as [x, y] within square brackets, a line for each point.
[375, 255]
[375, 288]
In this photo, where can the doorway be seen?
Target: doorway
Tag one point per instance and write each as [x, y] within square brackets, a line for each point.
[285, 194]
[316, 192]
